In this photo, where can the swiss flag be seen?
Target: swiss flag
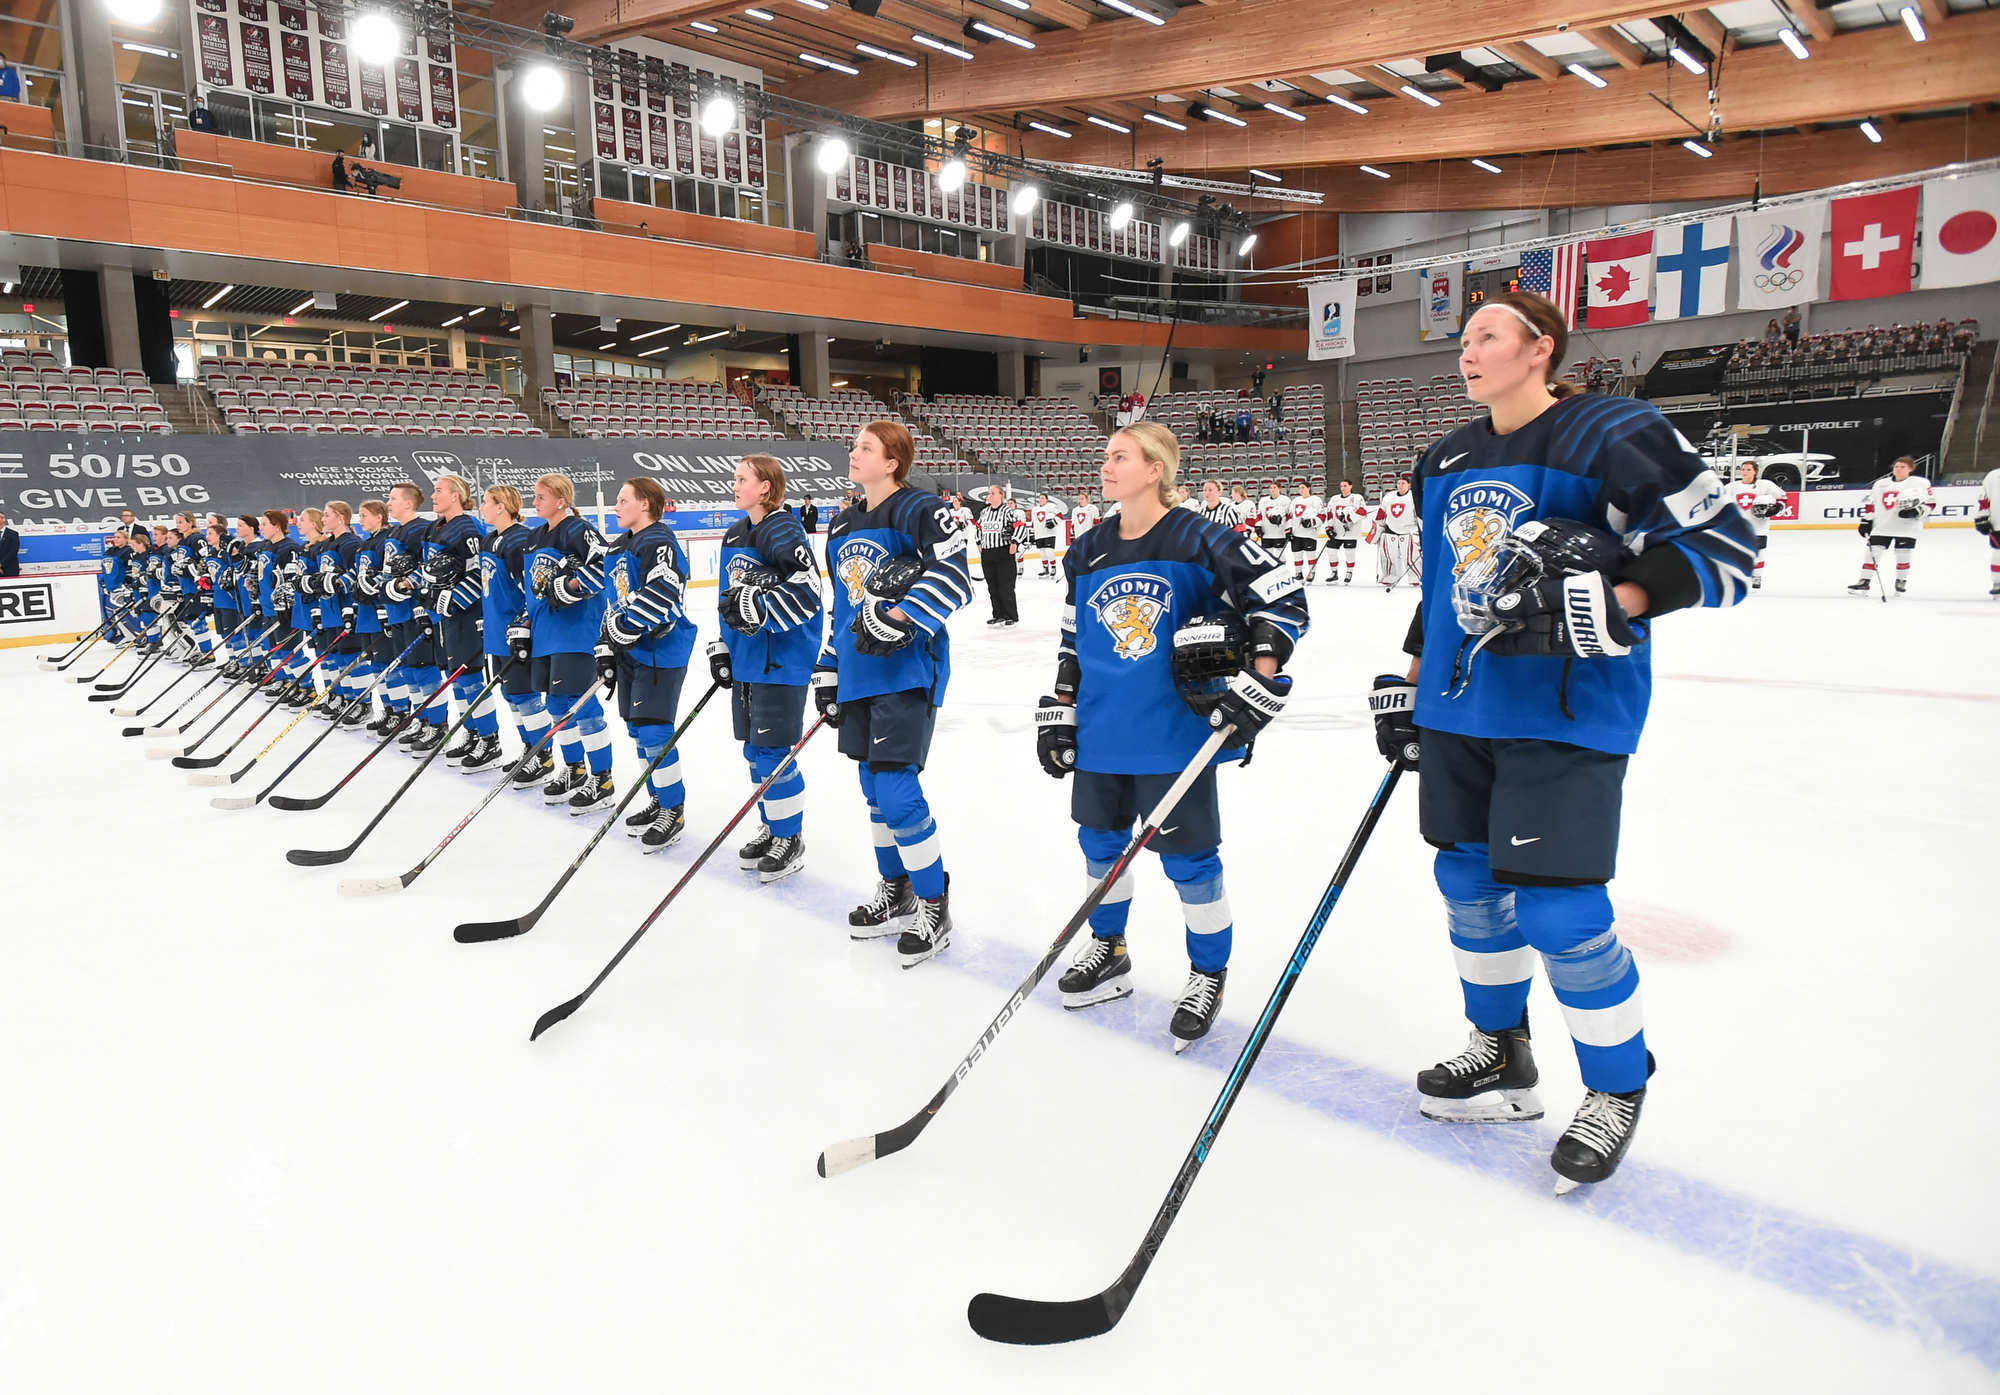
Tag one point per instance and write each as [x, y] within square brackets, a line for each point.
[1620, 280]
[1874, 237]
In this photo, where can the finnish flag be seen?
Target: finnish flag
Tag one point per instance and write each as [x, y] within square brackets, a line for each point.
[1691, 269]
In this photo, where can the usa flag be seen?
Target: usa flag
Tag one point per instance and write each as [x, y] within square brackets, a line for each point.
[1556, 272]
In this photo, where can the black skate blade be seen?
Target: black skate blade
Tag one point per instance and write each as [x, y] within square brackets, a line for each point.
[309, 857]
[556, 1014]
[1028, 1322]
[481, 932]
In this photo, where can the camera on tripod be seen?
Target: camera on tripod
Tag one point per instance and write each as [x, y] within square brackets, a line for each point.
[373, 179]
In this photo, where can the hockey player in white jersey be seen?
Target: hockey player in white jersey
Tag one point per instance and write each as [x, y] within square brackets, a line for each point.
[1891, 521]
[1396, 526]
[1982, 519]
[1273, 519]
[1307, 532]
[1082, 518]
[961, 515]
[1761, 501]
[1044, 525]
[1346, 518]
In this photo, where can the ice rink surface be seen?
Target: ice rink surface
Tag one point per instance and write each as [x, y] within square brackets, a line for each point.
[259, 1137]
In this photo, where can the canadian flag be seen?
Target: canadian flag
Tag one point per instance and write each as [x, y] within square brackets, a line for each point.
[1620, 280]
[1874, 237]
[1962, 231]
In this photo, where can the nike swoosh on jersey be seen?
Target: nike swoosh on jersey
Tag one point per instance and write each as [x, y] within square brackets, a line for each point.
[1453, 460]
[1165, 831]
[878, 741]
[1523, 842]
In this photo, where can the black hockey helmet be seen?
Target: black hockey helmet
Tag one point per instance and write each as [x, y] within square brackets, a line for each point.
[1209, 650]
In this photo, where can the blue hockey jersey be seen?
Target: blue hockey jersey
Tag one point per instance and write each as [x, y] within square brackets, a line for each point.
[1124, 599]
[402, 550]
[503, 559]
[783, 651]
[1614, 463]
[646, 591]
[458, 538]
[909, 523]
[565, 577]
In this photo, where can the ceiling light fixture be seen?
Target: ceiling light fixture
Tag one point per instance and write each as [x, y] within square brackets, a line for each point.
[1487, 165]
[209, 304]
[1588, 76]
[1024, 201]
[1284, 111]
[1266, 176]
[704, 26]
[718, 114]
[764, 15]
[663, 329]
[1109, 125]
[375, 39]
[388, 310]
[980, 26]
[951, 175]
[542, 88]
[1159, 120]
[664, 348]
[1914, 22]
[816, 4]
[1049, 130]
[1133, 10]
[941, 46]
[1698, 148]
[873, 52]
[1178, 235]
[719, 334]
[1868, 130]
[1686, 60]
[1370, 169]
[300, 306]
[1345, 105]
[831, 154]
[1790, 39]
[1410, 89]
[819, 62]
[1120, 216]
[452, 321]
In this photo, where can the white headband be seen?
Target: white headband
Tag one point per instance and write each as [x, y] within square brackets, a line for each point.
[1534, 329]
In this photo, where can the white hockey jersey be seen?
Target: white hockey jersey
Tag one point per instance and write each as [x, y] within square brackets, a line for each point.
[961, 518]
[1397, 513]
[1749, 497]
[1082, 519]
[1048, 520]
[1345, 514]
[1989, 495]
[1887, 500]
[1305, 520]
[1273, 518]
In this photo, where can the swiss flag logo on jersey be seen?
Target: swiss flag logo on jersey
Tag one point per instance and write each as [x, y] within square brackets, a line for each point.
[1874, 241]
[1396, 508]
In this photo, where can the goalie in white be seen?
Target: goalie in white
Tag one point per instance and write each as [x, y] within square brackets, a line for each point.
[1398, 553]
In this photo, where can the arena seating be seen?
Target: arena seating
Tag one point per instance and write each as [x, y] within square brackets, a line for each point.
[838, 417]
[598, 405]
[1285, 449]
[1049, 439]
[1401, 417]
[1777, 367]
[38, 394]
[256, 396]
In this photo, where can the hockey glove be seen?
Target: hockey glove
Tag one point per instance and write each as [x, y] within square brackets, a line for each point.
[347, 618]
[1393, 703]
[1055, 736]
[743, 609]
[1575, 616]
[718, 663]
[520, 641]
[1250, 702]
[877, 631]
[607, 667]
[826, 694]
[1983, 527]
[566, 589]
[1865, 527]
[1910, 511]
[1767, 510]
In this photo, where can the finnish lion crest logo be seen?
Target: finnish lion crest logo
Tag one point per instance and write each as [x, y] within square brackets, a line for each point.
[1131, 608]
[1477, 516]
[858, 558]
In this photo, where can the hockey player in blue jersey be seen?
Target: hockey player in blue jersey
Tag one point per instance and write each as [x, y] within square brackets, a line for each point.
[275, 555]
[363, 623]
[503, 561]
[241, 572]
[307, 616]
[899, 571]
[449, 587]
[1562, 529]
[643, 647]
[185, 572]
[402, 554]
[772, 619]
[370, 574]
[1117, 717]
[565, 571]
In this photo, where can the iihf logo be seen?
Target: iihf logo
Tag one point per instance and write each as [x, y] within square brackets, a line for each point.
[1477, 516]
[1130, 607]
[858, 558]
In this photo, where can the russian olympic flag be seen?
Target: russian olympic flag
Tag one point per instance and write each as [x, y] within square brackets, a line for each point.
[1777, 256]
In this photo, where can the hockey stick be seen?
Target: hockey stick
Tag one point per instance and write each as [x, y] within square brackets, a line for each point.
[563, 1010]
[205, 762]
[288, 803]
[484, 931]
[178, 642]
[207, 777]
[1031, 1322]
[308, 857]
[844, 1157]
[53, 663]
[121, 652]
[188, 672]
[160, 727]
[358, 701]
[368, 886]
[270, 678]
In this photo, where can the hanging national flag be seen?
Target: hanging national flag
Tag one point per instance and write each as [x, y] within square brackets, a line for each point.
[1555, 272]
[1777, 256]
[1620, 280]
[1691, 264]
[1962, 231]
[1874, 238]
[1330, 318]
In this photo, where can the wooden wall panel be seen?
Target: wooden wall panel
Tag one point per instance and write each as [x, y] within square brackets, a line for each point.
[313, 169]
[938, 267]
[710, 232]
[26, 120]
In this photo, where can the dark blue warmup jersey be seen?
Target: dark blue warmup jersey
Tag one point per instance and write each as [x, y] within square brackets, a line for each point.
[460, 538]
[909, 523]
[503, 565]
[1123, 602]
[781, 653]
[571, 628]
[1612, 462]
[646, 582]
[402, 540]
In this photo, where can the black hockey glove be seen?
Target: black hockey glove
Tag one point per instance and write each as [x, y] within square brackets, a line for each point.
[1767, 510]
[1055, 736]
[347, 618]
[1250, 702]
[1983, 526]
[1569, 615]
[521, 641]
[826, 694]
[1910, 511]
[1393, 704]
[743, 607]
[607, 667]
[877, 632]
[718, 663]
[1865, 527]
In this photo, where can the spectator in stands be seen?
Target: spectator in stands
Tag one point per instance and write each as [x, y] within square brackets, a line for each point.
[366, 150]
[1246, 424]
[1772, 332]
[200, 118]
[10, 549]
[1792, 325]
[10, 80]
[341, 185]
[1204, 421]
[645, 228]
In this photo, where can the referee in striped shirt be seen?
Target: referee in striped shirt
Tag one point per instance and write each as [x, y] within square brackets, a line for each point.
[1214, 507]
[996, 556]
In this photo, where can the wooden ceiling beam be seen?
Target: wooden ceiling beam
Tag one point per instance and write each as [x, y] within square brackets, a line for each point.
[1629, 53]
[1875, 71]
[1225, 44]
[1707, 28]
[1528, 59]
[1815, 21]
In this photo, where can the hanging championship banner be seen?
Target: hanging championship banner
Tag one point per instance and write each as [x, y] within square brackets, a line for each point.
[684, 147]
[753, 160]
[292, 17]
[605, 117]
[296, 50]
[660, 141]
[254, 11]
[1440, 299]
[881, 184]
[374, 90]
[439, 50]
[635, 134]
[258, 75]
[409, 91]
[218, 59]
[656, 85]
[732, 157]
[843, 183]
[600, 86]
[1330, 314]
[333, 74]
[444, 97]
[711, 163]
[331, 25]
[683, 76]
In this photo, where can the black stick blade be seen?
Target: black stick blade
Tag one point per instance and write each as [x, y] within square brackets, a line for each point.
[309, 857]
[556, 1014]
[198, 762]
[286, 802]
[1028, 1322]
[481, 932]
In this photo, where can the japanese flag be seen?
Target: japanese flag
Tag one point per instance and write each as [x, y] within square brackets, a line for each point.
[1962, 231]
[1620, 280]
[1874, 237]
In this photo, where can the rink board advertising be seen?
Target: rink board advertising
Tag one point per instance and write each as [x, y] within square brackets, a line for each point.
[47, 478]
[1830, 443]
